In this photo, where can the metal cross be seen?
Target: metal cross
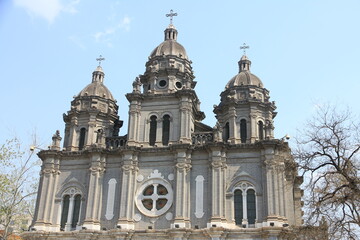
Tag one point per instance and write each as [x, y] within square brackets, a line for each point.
[171, 15]
[100, 58]
[244, 46]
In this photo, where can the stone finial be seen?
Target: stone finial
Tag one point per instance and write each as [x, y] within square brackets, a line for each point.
[137, 85]
[56, 139]
[217, 130]
[100, 136]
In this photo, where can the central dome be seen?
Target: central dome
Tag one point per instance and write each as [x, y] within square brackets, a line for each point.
[170, 46]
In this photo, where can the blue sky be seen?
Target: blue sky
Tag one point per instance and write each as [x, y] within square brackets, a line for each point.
[305, 52]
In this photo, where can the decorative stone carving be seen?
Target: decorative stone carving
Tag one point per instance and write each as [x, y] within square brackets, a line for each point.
[155, 196]
[140, 178]
[171, 176]
[217, 131]
[137, 85]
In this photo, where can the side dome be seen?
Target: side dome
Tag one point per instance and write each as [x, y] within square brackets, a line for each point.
[244, 77]
[97, 87]
[169, 46]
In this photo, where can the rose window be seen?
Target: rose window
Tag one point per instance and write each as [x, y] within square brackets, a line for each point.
[154, 197]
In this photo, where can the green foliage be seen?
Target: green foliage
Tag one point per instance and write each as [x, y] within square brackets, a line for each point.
[17, 188]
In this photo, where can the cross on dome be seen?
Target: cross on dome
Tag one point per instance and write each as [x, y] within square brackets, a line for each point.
[244, 47]
[100, 58]
[171, 15]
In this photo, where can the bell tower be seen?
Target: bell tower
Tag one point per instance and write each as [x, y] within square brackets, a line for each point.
[164, 107]
[93, 115]
[245, 112]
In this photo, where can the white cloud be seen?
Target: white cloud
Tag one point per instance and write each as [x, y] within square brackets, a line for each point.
[125, 23]
[106, 35]
[47, 9]
[70, 7]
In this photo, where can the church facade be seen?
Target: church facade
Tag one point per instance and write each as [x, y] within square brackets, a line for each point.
[170, 176]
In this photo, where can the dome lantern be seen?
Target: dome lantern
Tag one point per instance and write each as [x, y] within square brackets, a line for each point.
[244, 64]
[170, 33]
[98, 75]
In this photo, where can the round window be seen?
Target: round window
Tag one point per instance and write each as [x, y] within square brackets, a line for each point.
[178, 85]
[162, 83]
[154, 197]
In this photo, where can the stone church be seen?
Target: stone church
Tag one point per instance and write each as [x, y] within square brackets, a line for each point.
[170, 176]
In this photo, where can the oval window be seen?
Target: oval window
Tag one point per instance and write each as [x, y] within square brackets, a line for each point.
[178, 85]
[162, 83]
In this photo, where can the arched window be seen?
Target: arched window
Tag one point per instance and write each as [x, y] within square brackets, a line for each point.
[71, 205]
[76, 212]
[245, 205]
[166, 130]
[243, 130]
[226, 133]
[261, 130]
[82, 138]
[152, 133]
[238, 206]
[65, 211]
[251, 206]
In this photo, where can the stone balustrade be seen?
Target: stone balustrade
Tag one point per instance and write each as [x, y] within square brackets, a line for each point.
[116, 142]
[201, 138]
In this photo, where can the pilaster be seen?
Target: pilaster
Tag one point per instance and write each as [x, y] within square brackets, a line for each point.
[96, 170]
[182, 200]
[185, 120]
[218, 166]
[232, 124]
[73, 135]
[275, 188]
[134, 122]
[129, 173]
[253, 126]
[91, 130]
[48, 181]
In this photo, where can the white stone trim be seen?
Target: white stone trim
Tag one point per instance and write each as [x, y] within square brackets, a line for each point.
[199, 196]
[110, 199]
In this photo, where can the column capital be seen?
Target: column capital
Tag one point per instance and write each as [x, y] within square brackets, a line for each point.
[182, 166]
[97, 169]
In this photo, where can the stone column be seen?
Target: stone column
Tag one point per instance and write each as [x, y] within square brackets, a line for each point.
[232, 125]
[253, 127]
[218, 165]
[72, 146]
[282, 189]
[70, 214]
[159, 126]
[134, 118]
[46, 194]
[52, 193]
[182, 191]
[42, 203]
[272, 187]
[185, 120]
[92, 218]
[91, 136]
[182, 124]
[129, 173]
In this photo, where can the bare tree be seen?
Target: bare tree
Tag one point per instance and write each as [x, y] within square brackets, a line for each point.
[17, 186]
[328, 156]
